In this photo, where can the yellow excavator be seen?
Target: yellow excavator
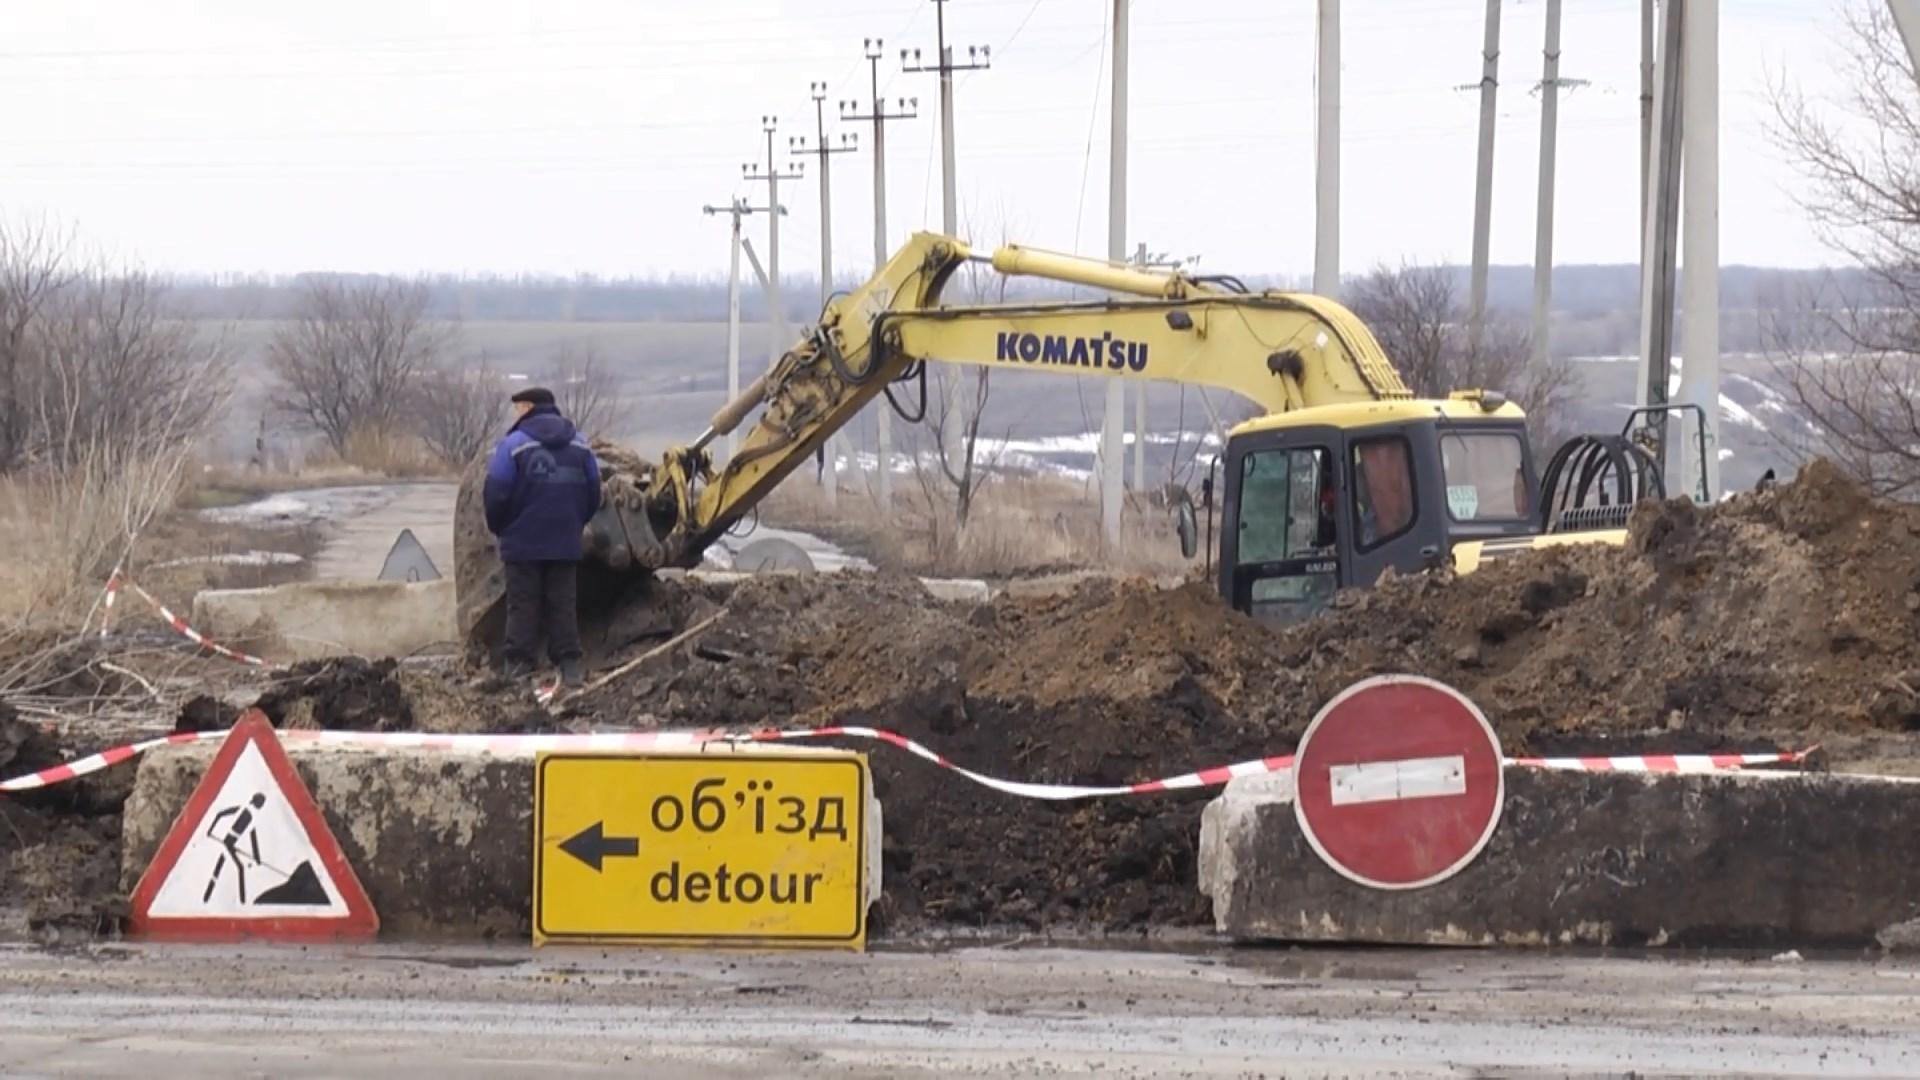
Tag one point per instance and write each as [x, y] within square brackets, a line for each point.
[1346, 474]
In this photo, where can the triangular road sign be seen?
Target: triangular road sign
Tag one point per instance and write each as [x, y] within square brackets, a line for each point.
[250, 857]
[407, 560]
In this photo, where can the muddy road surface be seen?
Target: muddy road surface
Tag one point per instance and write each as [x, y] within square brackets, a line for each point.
[508, 1011]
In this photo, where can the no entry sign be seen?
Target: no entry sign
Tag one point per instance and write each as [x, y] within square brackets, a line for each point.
[1398, 782]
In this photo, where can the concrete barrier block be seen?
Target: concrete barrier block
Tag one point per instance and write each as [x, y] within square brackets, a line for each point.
[313, 619]
[1621, 859]
[442, 840]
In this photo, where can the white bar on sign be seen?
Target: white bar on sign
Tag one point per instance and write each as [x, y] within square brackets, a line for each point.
[1414, 778]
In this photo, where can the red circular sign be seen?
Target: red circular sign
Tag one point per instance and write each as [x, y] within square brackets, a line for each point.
[1397, 782]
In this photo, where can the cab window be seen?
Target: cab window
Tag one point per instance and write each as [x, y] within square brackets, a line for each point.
[1382, 490]
[1286, 542]
[1485, 474]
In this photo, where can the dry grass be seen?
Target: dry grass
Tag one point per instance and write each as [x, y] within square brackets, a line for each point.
[1021, 526]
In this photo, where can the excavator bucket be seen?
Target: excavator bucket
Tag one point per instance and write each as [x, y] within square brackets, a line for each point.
[620, 599]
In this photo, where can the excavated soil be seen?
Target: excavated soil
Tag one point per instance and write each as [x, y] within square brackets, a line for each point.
[1773, 620]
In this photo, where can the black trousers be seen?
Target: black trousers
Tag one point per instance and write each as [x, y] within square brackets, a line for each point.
[542, 596]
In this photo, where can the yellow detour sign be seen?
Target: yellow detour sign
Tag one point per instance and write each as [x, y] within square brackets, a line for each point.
[739, 849]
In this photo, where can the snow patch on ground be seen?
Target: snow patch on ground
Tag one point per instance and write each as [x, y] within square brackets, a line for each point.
[236, 558]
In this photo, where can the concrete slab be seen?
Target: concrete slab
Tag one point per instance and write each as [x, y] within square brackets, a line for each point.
[1621, 859]
[442, 840]
[312, 619]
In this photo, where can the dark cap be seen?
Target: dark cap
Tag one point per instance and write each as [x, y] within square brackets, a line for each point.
[535, 395]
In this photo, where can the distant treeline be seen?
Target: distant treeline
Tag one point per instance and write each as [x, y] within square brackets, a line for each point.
[1596, 307]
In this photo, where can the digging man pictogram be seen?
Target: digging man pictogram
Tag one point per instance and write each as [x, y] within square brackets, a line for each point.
[240, 828]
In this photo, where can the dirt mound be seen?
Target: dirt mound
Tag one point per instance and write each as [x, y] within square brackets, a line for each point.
[1789, 613]
[341, 694]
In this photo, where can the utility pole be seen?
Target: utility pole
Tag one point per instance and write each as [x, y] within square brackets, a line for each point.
[1662, 216]
[979, 57]
[1646, 119]
[1550, 84]
[1326, 157]
[1145, 261]
[1115, 421]
[1700, 275]
[906, 110]
[776, 313]
[736, 209]
[824, 150]
[1483, 181]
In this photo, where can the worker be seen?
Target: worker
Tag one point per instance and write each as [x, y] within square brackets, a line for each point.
[543, 486]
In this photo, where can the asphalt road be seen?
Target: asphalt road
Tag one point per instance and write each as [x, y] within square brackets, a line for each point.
[509, 1011]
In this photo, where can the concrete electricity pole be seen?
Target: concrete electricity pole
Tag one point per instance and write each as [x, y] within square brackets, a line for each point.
[776, 313]
[1115, 421]
[1147, 262]
[1550, 84]
[1326, 157]
[906, 110]
[979, 57]
[1700, 276]
[1662, 217]
[824, 150]
[1483, 181]
[737, 209]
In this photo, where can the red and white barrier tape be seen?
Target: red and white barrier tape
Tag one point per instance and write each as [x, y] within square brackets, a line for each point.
[613, 742]
[1662, 763]
[181, 627]
[113, 593]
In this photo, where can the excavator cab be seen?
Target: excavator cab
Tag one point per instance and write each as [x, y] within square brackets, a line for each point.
[1326, 498]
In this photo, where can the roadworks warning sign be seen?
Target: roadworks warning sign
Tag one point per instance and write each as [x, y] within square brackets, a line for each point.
[251, 857]
[738, 849]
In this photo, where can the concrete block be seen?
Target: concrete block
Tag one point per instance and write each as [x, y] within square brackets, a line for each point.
[442, 840]
[313, 619]
[1623, 859]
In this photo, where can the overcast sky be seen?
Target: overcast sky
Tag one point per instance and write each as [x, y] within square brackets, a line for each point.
[585, 135]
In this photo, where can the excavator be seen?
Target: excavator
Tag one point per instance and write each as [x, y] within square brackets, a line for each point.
[1346, 475]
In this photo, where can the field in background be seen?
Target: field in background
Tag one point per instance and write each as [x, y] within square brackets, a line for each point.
[672, 377]
[1021, 526]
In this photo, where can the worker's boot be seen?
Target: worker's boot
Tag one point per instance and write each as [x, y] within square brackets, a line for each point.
[570, 674]
[517, 671]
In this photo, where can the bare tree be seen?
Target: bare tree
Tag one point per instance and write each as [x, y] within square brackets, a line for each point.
[1853, 364]
[33, 271]
[1416, 313]
[348, 362]
[589, 391]
[955, 410]
[119, 366]
[462, 409]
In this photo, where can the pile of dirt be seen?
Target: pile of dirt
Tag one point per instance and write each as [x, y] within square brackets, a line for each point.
[344, 694]
[60, 847]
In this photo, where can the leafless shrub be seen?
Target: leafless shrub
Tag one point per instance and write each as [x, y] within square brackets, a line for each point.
[119, 368]
[462, 410]
[589, 391]
[1417, 315]
[34, 270]
[351, 359]
[1852, 364]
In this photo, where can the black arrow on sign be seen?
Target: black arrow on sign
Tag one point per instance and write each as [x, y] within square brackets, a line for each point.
[591, 845]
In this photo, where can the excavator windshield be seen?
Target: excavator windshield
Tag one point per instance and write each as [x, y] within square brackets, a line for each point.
[1486, 475]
